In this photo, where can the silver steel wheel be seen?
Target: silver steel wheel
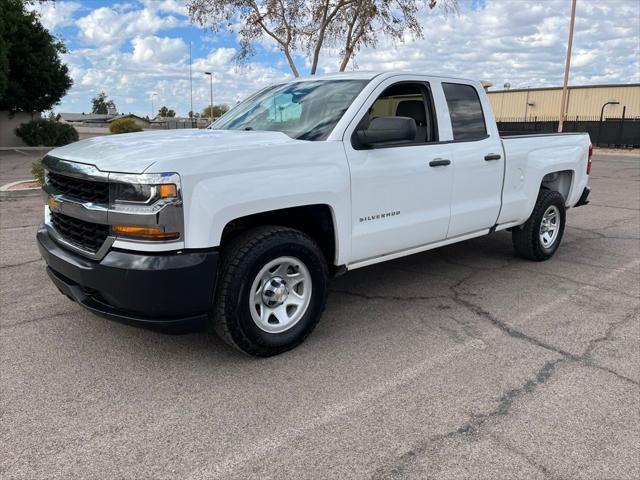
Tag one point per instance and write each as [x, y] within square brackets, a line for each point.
[550, 226]
[280, 294]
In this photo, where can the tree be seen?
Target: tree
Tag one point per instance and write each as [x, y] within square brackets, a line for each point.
[165, 112]
[308, 26]
[101, 104]
[193, 115]
[32, 76]
[218, 111]
[281, 20]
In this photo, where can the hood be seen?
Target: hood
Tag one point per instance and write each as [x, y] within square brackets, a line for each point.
[136, 152]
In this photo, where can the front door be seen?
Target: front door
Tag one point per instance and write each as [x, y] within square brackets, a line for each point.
[400, 193]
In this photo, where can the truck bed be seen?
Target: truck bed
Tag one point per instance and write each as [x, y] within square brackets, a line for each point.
[529, 158]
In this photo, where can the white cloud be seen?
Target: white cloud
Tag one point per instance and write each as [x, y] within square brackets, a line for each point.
[105, 26]
[517, 42]
[177, 7]
[55, 14]
[161, 65]
[505, 41]
[158, 50]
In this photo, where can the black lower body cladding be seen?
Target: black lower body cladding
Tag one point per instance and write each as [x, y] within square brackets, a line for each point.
[584, 198]
[167, 292]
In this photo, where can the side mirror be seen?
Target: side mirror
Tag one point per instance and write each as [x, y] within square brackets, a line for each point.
[383, 130]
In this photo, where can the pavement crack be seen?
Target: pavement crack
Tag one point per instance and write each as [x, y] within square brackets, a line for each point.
[506, 401]
[18, 227]
[616, 207]
[564, 278]
[37, 319]
[27, 262]
[624, 378]
[395, 298]
[542, 468]
[512, 332]
[472, 426]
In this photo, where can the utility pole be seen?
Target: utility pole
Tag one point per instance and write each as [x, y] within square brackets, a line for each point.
[191, 85]
[211, 92]
[567, 65]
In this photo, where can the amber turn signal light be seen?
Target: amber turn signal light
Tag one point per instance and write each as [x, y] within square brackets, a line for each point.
[168, 190]
[147, 233]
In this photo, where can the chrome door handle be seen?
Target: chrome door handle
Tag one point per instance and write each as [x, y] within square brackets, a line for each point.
[492, 156]
[439, 162]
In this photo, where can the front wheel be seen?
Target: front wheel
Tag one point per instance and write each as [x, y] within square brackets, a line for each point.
[272, 290]
[539, 238]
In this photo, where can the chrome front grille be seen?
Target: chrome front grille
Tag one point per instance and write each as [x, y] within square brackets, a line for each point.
[79, 209]
[84, 235]
[79, 189]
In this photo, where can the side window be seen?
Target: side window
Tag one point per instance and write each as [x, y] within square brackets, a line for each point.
[467, 118]
[406, 100]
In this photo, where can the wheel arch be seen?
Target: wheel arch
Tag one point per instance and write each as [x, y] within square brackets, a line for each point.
[560, 181]
[316, 220]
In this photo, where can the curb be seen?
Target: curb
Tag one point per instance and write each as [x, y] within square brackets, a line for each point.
[621, 152]
[29, 192]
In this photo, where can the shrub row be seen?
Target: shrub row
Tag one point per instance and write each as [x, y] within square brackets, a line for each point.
[47, 133]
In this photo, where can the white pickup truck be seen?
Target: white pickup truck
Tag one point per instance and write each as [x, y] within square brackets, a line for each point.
[237, 228]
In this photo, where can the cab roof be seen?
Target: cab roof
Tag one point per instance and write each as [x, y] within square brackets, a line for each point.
[369, 75]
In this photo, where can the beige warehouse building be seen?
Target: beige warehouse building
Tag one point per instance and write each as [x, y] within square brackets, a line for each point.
[583, 102]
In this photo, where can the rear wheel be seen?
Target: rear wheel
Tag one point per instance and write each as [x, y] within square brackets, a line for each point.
[272, 290]
[539, 238]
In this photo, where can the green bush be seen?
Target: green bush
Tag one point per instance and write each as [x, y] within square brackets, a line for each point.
[124, 125]
[48, 133]
[37, 170]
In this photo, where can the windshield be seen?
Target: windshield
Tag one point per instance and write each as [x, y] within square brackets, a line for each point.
[303, 110]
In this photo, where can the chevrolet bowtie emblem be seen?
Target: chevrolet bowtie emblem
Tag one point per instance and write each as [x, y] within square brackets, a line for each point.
[53, 204]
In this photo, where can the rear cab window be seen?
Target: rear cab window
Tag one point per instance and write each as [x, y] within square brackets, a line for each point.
[465, 109]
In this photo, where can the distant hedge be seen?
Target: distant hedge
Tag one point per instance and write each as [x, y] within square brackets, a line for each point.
[124, 125]
[48, 133]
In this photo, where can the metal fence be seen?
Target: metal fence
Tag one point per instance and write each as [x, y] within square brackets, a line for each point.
[178, 123]
[610, 132]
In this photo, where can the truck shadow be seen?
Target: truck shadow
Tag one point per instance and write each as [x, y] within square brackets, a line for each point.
[423, 276]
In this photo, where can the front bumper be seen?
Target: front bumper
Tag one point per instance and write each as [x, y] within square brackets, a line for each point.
[169, 292]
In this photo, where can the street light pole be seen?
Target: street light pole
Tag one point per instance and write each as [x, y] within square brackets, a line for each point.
[610, 102]
[211, 93]
[567, 65]
[152, 109]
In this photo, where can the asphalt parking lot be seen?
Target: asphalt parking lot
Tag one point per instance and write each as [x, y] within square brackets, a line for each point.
[463, 362]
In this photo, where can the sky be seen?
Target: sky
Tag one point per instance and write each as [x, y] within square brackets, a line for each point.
[134, 49]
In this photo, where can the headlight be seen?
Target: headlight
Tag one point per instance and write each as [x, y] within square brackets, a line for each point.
[146, 207]
[145, 193]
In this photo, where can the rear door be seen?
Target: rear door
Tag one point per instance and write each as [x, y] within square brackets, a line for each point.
[477, 159]
[400, 194]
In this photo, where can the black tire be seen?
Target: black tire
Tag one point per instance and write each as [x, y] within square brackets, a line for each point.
[241, 262]
[526, 240]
